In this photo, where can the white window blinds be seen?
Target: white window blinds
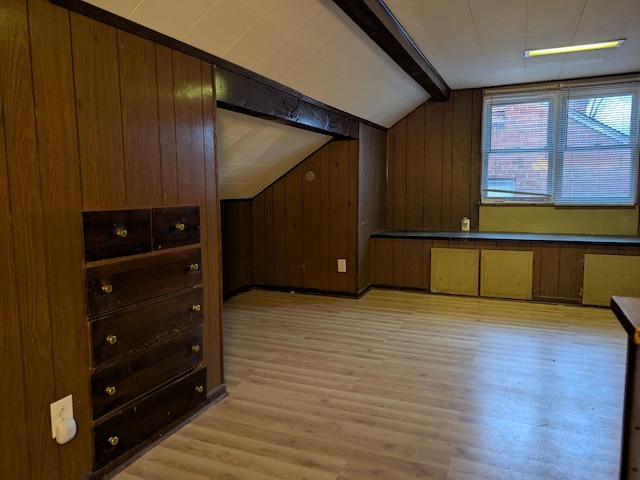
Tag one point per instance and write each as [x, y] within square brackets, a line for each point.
[569, 146]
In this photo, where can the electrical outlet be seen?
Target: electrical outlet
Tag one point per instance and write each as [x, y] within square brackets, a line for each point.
[342, 265]
[60, 410]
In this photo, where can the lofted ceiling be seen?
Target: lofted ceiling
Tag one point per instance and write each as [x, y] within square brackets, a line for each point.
[313, 47]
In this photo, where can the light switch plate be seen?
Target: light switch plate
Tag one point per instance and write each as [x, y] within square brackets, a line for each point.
[342, 265]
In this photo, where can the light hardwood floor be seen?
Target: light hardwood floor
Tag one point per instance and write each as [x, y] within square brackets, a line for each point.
[400, 385]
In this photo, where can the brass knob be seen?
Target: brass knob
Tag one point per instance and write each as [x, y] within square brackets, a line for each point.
[180, 226]
[195, 348]
[113, 441]
[199, 389]
[121, 232]
[194, 267]
[111, 391]
[106, 288]
[195, 307]
[111, 339]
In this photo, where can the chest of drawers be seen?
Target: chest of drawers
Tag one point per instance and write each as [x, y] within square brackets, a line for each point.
[145, 310]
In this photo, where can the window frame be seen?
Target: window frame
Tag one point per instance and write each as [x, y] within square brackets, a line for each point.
[556, 145]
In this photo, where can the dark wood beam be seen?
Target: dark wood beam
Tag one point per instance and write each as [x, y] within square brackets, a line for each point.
[240, 89]
[377, 21]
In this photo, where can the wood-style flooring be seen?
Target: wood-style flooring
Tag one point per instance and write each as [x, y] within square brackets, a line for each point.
[400, 385]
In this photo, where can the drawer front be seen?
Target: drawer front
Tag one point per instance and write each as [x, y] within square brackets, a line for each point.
[143, 325]
[175, 226]
[117, 285]
[116, 233]
[134, 376]
[144, 419]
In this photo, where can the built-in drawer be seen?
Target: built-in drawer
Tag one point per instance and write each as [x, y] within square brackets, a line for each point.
[116, 233]
[144, 324]
[118, 384]
[120, 284]
[175, 226]
[149, 417]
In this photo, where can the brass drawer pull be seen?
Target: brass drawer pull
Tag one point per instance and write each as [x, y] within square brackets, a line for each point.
[180, 226]
[199, 389]
[120, 232]
[195, 307]
[113, 441]
[106, 288]
[194, 267]
[111, 339]
[111, 391]
[195, 348]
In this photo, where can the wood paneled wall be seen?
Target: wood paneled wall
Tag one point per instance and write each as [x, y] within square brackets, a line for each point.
[91, 118]
[237, 246]
[558, 267]
[302, 227]
[434, 165]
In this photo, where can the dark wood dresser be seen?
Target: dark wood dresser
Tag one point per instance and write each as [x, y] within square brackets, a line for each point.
[145, 310]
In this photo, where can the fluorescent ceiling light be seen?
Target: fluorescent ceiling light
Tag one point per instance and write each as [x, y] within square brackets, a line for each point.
[573, 48]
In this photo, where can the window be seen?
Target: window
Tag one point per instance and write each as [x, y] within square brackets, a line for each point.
[569, 146]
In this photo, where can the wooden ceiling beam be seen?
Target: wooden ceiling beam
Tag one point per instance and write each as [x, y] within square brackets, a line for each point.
[376, 20]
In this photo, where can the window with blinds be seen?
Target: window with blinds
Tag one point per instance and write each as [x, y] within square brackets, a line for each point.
[567, 146]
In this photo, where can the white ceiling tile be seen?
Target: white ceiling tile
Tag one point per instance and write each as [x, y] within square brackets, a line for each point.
[168, 16]
[287, 15]
[283, 59]
[220, 27]
[257, 43]
[259, 7]
[320, 26]
[305, 71]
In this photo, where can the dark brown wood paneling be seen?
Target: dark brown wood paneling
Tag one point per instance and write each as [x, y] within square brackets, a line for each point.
[15, 456]
[371, 196]
[399, 191]
[549, 270]
[382, 261]
[447, 163]
[339, 214]
[412, 261]
[237, 245]
[325, 218]
[187, 75]
[279, 234]
[167, 125]
[257, 237]
[269, 239]
[436, 150]
[95, 63]
[571, 272]
[434, 115]
[28, 238]
[426, 264]
[352, 216]
[461, 156]
[312, 222]
[210, 231]
[415, 184]
[293, 227]
[61, 206]
[139, 98]
[398, 261]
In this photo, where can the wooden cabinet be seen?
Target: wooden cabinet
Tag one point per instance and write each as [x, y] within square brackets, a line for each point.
[145, 310]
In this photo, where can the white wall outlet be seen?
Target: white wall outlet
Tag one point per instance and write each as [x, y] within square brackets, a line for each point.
[60, 410]
[342, 265]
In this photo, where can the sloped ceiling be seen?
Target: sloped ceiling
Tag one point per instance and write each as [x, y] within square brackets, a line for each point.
[314, 48]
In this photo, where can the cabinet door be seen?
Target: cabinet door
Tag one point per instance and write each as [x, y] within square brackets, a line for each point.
[120, 284]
